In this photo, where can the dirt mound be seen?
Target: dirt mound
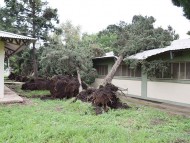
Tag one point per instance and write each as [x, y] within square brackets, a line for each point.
[85, 95]
[64, 87]
[36, 84]
[105, 97]
[12, 76]
[16, 77]
[21, 78]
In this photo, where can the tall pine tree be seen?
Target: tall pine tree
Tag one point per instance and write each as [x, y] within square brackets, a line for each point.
[29, 17]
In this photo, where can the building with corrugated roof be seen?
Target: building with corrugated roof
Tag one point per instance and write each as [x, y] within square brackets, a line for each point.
[171, 86]
[10, 44]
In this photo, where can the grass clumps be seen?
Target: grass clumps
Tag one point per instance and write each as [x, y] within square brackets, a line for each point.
[63, 121]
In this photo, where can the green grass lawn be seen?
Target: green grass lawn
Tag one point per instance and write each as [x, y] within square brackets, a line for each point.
[61, 121]
[29, 93]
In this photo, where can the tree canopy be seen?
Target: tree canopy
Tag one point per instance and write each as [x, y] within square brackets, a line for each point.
[137, 36]
[65, 53]
[29, 17]
[185, 4]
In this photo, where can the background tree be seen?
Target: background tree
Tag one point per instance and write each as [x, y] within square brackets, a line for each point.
[185, 4]
[29, 17]
[138, 36]
[65, 54]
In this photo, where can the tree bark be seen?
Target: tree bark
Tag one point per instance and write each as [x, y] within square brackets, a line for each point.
[79, 79]
[35, 66]
[112, 72]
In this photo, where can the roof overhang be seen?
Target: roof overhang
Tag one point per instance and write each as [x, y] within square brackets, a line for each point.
[175, 45]
[105, 57]
[14, 43]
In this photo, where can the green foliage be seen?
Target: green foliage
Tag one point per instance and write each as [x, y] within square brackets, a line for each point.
[92, 41]
[139, 35]
[64, 54]
[28, 17]
[22, 62]
[185, 4]
[155, 68]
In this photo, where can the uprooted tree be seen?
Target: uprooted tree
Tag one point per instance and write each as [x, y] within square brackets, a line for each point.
[135, 37]
[64, 55]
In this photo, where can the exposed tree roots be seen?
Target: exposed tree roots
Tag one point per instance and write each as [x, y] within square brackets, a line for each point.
[64, 87]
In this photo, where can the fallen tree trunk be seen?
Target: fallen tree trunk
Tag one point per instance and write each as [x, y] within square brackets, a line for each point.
[112, 72]
[79, 79]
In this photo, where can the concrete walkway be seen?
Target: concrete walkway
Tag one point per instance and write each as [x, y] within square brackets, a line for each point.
[170, 108]
[10, 96]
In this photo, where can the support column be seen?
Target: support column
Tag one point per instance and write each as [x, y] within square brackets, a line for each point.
[2, 55]
[144, 85]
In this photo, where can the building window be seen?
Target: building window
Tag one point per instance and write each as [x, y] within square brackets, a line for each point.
[102, 69]
[164, 73]
[175, 71]
[125, 70]
[180, 70]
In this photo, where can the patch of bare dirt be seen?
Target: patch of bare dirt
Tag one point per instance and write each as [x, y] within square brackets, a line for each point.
[27, 101]
[157, 121]
[180, 141]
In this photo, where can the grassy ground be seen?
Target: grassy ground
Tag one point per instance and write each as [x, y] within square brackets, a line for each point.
[29, 93]
[60, 121]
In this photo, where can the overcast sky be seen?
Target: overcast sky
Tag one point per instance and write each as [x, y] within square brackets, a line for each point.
[95, 15]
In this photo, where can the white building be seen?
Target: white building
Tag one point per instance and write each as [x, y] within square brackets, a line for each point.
[10, 44]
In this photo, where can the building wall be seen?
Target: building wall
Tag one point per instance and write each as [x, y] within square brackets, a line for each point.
[2, 53]
[134, 86]
[176, 92]
[165, 90]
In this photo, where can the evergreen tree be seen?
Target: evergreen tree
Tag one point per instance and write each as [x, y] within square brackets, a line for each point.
[28, 17]
[65, 55]
[185, 4]
[137, 36]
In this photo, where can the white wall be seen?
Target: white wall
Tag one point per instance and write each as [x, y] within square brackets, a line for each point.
[2, 53]
[134, 87]
[176, 92]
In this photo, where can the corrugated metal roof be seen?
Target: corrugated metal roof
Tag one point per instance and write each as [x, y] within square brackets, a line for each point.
[14, 36]
[107, 55]
[175, 45]
[14, 43]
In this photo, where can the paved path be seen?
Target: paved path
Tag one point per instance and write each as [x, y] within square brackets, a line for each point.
[10, 96]
[170, 108]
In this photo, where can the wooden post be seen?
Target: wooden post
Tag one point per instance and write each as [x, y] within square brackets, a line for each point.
[2, 56]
